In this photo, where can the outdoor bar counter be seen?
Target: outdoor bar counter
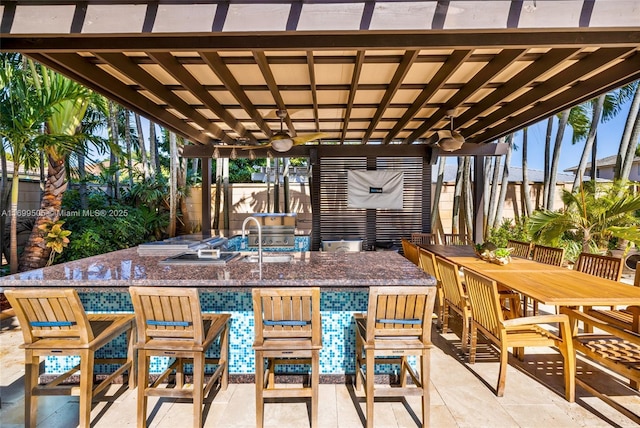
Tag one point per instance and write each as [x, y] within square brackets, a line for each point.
[344, 278]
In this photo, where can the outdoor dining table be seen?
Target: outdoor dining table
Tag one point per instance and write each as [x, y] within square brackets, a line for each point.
[549, 285]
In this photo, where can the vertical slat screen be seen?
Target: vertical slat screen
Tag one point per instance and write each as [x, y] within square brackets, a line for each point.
[337, 221]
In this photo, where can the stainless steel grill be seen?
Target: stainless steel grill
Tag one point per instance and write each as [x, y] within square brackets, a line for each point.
[273, 236]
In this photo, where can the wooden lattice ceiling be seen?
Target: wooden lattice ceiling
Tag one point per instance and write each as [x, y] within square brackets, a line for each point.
[381, 87]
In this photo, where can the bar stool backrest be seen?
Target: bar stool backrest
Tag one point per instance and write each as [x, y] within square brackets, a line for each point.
[600, 266]
[291, 313]
[636, 280]
[50, 314]
[396, 313]
[168, 314]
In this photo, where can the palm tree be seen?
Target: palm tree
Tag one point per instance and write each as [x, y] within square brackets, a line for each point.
[592, 216]
[173, 184]
[114, 174]
[596, 114]
[505, 183]
[547, 162]
[23, 110]
[602, 109]
[63, 136]
[527, 207]
[142, 147]
[153, 149]
[555, 160]
[435, 219]
[127, 139]
[630, 136]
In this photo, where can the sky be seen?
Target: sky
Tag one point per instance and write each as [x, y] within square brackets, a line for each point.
[609, 135]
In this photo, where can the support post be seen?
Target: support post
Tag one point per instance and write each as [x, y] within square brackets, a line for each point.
[478, 199]
[206, 197]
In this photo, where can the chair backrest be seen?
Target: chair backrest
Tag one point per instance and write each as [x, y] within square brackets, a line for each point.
[636, 280]
[291, 313]
[519, 248]
[486, 311]
[422, 238]
[167, 314]
[410, 251]
[451, 284]
[548, 255]
[400, 312]
[428, 263]
[601, 266]
[455, 239]
[50, 313]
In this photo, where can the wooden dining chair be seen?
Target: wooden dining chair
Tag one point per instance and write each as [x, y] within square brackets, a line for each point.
[455, 239]
[608, 268]
[288, 330]
[54, 323]
[428, 264]
[171, 324]
[519, 249]
[422, 238]
[455, 298]
[600, 266]
[410, 251]
[397, 325]
[516, 333]
[549, 256]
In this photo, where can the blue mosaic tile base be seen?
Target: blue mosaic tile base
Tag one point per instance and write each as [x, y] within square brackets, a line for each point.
[338, 332]
[238, 243]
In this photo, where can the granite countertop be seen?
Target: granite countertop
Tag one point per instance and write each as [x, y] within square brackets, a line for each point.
[125, 268]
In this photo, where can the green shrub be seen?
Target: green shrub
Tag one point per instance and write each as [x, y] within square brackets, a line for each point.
[106, 226]
[509, 229]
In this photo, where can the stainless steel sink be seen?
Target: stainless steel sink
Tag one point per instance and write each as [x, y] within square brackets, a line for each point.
[193, 259]
[280, 258]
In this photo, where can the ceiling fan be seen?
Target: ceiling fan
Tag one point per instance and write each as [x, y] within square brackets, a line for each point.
[281, 141]
[448, 140]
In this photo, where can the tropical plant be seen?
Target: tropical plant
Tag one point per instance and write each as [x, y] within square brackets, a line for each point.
[63, 135]
[24, 108]
[108, 225]
[55, 237]
[592, 216]
[509, 229]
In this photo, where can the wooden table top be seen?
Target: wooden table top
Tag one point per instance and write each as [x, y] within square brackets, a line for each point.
[551, 285]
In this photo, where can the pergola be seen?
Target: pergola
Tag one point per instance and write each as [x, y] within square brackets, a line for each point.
[376, 77]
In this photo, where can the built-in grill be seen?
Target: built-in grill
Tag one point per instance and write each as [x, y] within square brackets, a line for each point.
[278, 230]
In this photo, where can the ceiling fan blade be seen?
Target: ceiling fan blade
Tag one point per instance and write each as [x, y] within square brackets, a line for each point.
[304, 138]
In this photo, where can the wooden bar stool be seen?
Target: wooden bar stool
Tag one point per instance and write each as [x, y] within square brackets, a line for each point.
[288, 331]
[397, 324]
[54, 323]
[171, 324]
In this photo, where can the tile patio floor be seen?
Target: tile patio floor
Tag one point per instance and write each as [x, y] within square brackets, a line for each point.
[462, 395]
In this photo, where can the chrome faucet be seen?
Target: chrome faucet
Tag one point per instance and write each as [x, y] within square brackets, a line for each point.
[244, 224]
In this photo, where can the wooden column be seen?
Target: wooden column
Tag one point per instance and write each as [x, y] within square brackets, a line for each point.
[478, 199]
[206, 197]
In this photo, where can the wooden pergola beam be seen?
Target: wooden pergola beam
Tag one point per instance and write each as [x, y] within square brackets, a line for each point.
[182, 75]
[75, 67]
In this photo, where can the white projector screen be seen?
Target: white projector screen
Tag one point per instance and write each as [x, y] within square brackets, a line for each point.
[375, 189]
